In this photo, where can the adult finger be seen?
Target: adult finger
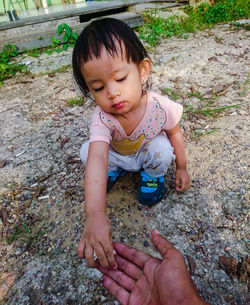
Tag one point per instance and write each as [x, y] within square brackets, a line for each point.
[161, 243]
[89, 253]
[118, 276]
[81, 249]
[132, 270]
[133, 255]
[121, 294]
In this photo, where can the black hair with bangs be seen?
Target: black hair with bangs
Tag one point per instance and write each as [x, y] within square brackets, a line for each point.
[105, 33]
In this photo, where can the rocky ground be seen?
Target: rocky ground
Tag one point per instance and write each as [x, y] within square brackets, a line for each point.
[42, 198]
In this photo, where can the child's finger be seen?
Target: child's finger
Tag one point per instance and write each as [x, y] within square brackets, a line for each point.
[101, 255]
[178, 184]
[184, 185]
[81, 249]
[89, 253]
[109, 251]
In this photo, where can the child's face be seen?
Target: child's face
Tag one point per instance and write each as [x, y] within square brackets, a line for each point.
[115, 83]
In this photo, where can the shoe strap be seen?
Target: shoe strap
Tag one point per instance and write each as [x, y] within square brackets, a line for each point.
[115, 173]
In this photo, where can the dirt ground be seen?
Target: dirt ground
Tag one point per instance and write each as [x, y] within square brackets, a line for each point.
[42, 198]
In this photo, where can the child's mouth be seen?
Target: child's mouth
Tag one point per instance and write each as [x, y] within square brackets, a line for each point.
[119, 105]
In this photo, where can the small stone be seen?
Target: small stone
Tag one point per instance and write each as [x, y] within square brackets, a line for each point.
[18, 252]
[2, 163]
[146, 243]
[56, 250]
[10, 280]
[3, 291]
[4, 276]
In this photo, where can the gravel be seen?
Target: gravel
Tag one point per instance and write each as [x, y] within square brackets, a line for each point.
[42, 198]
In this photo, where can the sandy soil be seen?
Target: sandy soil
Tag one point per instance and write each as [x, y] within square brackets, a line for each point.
[42, 198]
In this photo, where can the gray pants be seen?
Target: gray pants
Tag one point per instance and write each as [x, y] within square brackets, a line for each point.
[154, 157]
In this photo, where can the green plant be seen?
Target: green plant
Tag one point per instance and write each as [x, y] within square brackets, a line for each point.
[7, 53]
[220, 11]
[8, 69]
[172, 93]
[197, 133]
[76, 101]
[206, 110]
[69, 36]
[68, 40]
[245, 86]
[26, 234]
[34, 52]
[199, 18]
[218, 39]
[55, 42]
[227, 10]
[155, 28]
[241, 25]
[59, 70]
[196, 94]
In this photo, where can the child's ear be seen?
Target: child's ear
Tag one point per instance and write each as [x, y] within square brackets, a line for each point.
[145, 68]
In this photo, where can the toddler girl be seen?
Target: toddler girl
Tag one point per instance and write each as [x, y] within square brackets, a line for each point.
[131, 129]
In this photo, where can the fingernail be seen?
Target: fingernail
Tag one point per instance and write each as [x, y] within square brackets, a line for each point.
[114, 252]
[115, 267]
[156, 231]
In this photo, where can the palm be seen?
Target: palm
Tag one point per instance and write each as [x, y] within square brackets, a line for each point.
[144, 280]
[151, 288]
[143, 291]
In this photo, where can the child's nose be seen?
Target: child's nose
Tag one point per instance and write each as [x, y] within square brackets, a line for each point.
[113, 91]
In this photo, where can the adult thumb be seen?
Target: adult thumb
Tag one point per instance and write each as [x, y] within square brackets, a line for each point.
[161, 243]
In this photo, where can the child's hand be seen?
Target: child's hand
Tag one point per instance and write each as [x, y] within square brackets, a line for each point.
[97, 236]
[182, 180]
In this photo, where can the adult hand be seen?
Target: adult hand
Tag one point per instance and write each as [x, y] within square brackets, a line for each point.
[97, 236]
[144, 280]
[182, 180]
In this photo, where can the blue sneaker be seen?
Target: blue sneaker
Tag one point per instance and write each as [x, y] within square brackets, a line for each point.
[150, 189]
[113, 177]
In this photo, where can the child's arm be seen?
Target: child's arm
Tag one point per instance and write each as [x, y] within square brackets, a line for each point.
[177, 141]
[97, 233]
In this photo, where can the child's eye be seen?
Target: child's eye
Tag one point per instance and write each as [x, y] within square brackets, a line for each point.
[98, 89]
[122, 79]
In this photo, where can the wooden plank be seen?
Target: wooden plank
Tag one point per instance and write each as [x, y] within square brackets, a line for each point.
[133, 20]
[89, 9]
[32, 29]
